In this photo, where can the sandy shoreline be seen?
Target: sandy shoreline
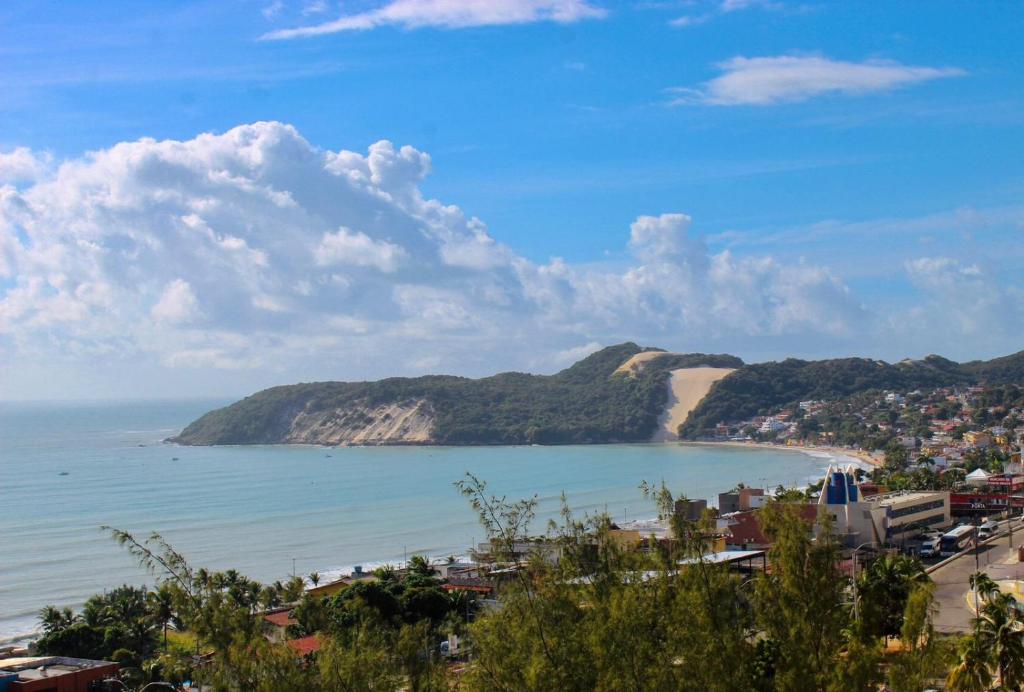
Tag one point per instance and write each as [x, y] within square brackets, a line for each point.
[859, 454]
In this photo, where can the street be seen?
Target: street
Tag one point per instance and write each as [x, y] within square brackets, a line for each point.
[952, 580]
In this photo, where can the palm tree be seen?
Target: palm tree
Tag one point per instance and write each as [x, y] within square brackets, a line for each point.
[314, 578]
[56, 619]
[885, 585]
[971, 672]
[984, 586]
[420, 565]
[1000, 631]
[161, 607]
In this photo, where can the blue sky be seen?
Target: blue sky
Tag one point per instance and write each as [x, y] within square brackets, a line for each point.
[872, 149]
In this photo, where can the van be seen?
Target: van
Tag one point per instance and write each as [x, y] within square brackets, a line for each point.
[930, 547]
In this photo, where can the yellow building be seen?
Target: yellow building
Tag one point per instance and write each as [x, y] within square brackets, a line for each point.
[978, 438]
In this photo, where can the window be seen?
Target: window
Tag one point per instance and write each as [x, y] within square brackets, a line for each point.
[914, 509]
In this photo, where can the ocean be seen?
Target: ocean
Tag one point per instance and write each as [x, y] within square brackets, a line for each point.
[66, 469]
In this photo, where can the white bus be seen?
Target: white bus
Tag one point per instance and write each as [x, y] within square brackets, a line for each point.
[956, 540]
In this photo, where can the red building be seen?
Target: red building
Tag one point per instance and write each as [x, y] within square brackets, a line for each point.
[53, 674]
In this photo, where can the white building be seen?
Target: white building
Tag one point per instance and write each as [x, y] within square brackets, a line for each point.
[879, 519]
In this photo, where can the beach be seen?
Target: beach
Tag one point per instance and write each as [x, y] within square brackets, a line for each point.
[256, 509]
[837, 453]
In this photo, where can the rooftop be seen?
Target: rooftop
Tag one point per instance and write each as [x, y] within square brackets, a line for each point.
[306, 645]
[42, 667]
[900, 498]
[280, 618]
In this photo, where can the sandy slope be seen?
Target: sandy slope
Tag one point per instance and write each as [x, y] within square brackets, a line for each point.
[686, 388]
[636, 364]
[409, 422]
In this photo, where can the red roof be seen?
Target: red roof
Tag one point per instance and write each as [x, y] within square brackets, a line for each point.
[281, 618]
[306, 645]
[745, 527]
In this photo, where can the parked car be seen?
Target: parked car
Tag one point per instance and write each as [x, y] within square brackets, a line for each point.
[931, 547]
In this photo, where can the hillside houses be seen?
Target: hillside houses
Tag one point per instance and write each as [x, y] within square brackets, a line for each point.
[947, 425]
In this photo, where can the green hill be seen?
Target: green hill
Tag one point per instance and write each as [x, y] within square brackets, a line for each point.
[762, 388]
[584, 403]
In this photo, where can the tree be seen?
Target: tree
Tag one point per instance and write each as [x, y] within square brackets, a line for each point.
[161, 607]
[111, 622]
[418, 564]
[884, 588]
[895, 456]
[923, 656]
[801, 604]
[998, 630]
[56, 620]
[971, 672]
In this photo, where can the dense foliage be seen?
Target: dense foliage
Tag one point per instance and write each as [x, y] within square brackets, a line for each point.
[762, 388]
[599, 617]
[583, 403]
[121, 625]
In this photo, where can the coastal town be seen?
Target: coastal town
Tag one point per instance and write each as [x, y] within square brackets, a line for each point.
[943, 527]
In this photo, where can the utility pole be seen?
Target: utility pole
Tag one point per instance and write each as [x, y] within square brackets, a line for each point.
[977, 567]
[1009, 507]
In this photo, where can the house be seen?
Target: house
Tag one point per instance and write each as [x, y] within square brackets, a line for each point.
[305, 646]
[978, 438]
[339, 585]
[277, 622]
[743, 529]
[54, 674]
[691, 510]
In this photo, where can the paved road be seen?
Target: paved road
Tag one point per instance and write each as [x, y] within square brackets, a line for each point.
[952, 580]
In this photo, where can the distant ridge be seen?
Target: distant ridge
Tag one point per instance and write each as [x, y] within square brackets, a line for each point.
[587, 402]
[617, 394]
[758, 388]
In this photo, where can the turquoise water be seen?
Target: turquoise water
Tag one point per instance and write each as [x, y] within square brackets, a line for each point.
[259, 508]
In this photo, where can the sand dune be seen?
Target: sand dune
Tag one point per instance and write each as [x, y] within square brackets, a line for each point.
[636, 364]
[686, 388]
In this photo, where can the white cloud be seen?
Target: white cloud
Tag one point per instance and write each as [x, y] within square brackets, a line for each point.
[272, 10]
[737, 5]
[24, 165]
[576, 353]
[315, 7]
[722, 8]
[359, 250]
[964, 298]
[790, 78]
[177, 304]
[451, 14]
[254, 250]
[690, 20]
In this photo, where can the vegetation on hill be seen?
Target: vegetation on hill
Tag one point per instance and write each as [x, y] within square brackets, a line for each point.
[583, 403]
[588, 402]
[762, 388]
